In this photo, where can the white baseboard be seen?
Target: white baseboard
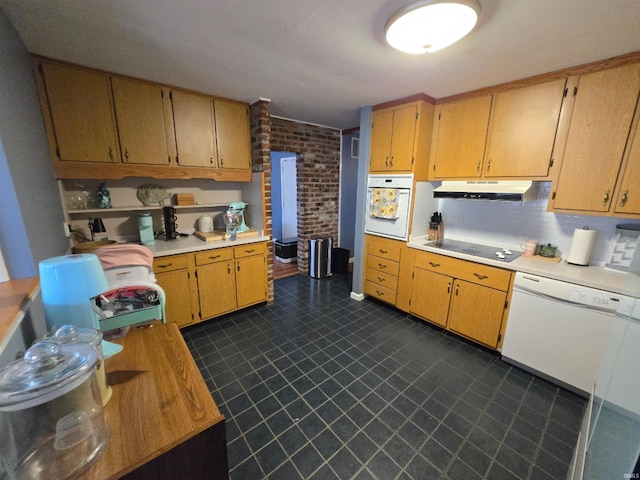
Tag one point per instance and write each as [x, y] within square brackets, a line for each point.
[357, 296]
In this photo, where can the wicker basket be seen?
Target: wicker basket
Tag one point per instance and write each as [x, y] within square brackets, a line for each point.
[88, 247]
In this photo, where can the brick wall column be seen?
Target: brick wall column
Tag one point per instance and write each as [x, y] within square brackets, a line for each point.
[261, 152]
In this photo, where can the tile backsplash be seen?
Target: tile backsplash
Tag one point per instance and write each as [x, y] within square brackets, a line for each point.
[509, 224]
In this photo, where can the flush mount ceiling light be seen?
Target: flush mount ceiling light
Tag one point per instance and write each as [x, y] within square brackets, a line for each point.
[429, 25]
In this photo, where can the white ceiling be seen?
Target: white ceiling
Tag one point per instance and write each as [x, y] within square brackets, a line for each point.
[319, 61]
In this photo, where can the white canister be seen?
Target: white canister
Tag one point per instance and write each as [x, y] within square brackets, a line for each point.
[205, 224]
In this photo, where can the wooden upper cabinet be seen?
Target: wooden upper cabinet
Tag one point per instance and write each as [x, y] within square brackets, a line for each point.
[194, 128]
[142, 123]
[628, 191]
[522, 131]
[233, 134]
[381, 140]
[393, 139]
[602, 115]
[78, 113]
[460, 133]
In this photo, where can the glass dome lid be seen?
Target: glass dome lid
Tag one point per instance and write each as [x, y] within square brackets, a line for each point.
[47, 371]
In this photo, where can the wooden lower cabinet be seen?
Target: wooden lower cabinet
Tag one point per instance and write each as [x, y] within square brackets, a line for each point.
[467, 298]
[383, 267]
[435, 305]
[477, 312]
[173, 275]
[203, 285]
[251, 280]
[216, 289]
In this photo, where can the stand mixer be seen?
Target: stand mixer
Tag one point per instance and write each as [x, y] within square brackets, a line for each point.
[238, 209]
[232, 220]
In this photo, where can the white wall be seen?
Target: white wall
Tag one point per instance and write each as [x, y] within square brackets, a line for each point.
[509, 224]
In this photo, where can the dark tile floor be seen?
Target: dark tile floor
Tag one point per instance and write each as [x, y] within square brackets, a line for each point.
[319, 386]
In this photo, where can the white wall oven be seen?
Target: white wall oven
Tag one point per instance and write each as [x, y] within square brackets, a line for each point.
[388, 205]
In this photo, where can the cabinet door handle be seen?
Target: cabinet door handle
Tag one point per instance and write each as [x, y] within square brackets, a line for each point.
[386, 161]
[380, 265]
[250, 251]
[457, 285]
[391, 162]
[480, 277]
[488, 165]
[380, 279]
[623, 200]
[384, 252]
[238, 266]
[478, 166]
[211, 160]
[126, 154]
[448, 288]
[110, 152]
[380, 294]
[213, 257]
[228, 269]
[434, 265]
[165, 265]
[221, 161]
[605, 199]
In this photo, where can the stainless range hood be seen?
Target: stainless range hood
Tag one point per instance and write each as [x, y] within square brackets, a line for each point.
[501, 190]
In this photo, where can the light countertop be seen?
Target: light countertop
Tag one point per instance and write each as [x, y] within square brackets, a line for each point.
[191, 243]
[590, 276]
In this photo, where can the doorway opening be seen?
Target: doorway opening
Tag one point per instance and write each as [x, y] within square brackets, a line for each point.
[284, 211]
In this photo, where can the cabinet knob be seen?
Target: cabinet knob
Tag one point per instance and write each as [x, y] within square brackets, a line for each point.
[623, 200]
[605, 199]
[480, 277]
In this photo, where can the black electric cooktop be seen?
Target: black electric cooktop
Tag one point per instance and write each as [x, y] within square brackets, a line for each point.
[475, 249]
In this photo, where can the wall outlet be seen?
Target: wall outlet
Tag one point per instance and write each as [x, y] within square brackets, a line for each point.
[67, 229]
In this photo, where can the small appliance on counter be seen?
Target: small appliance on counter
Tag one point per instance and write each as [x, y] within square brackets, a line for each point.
[238, 209]
[145, 226]
[170, 225]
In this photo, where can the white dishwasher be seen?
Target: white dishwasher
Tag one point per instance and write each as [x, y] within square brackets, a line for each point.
[559, 330]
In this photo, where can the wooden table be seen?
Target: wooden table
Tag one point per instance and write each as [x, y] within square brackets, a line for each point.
[164, 422]
[15, 298]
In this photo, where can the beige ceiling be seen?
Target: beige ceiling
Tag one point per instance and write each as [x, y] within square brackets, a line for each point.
[319, 61]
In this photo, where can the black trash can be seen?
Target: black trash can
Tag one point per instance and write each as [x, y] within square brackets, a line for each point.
[340, 260]
[320, 250]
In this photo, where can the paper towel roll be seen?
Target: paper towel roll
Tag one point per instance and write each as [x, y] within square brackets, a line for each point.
[581, 246]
